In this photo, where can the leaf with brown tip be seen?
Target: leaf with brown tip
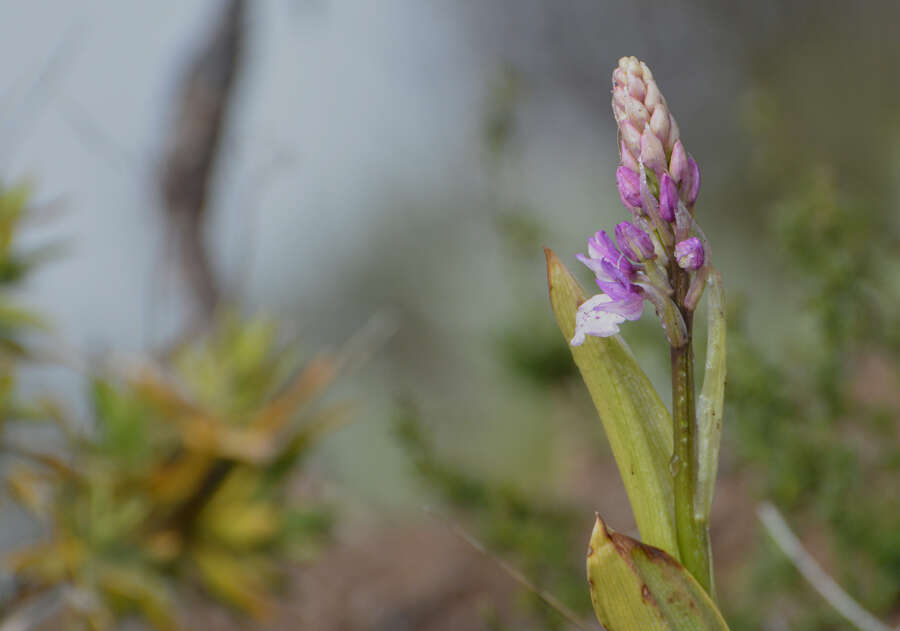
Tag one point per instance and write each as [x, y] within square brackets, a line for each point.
[636, 587]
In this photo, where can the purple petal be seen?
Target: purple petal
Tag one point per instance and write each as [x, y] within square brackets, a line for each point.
[600, 246]
[615, 289]
[634, 242]
[621, 269]
[630, 307]
[595, 265]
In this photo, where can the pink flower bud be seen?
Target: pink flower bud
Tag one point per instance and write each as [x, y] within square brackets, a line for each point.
[689, 254]
[628, 159]
[652, 154]
[629, 184]
[631, 136]
[630, 65]
[659, 124]
[654, 97]
[637, 88]
[690, 185]
[668, 198]
[674, 133]
[638, 114]
[678, 163]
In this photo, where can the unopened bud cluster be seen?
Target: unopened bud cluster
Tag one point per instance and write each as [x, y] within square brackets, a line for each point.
[658, 181]
[650, 140]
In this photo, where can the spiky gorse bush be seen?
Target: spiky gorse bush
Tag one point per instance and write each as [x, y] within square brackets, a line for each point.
[15, 265]
[667, 461]
[183, 479]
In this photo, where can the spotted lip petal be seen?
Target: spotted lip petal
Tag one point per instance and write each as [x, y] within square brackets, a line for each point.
[593, 319]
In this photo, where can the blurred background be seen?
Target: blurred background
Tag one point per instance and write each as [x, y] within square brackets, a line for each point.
[273, 283]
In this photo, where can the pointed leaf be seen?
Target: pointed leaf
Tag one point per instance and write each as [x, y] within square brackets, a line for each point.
[637, 424]
[636, 587]
[620, 598]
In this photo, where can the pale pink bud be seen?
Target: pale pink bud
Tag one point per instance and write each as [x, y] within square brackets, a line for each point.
[659, 124]
[637, 88]
[637, 113]
[678, 163]
[690, 184]
[630, 65]
[628, 159]
[674, 133]
[652, 154]
[631, 136]
[654, 97]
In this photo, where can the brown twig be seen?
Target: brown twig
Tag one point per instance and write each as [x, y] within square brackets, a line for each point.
[206, 94]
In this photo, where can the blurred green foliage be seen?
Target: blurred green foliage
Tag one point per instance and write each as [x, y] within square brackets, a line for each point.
[536, 534]
[820, 436]
[185, 475]
[15, 322]
[182, 478]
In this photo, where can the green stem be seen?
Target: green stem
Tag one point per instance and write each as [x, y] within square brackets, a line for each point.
[693, 534]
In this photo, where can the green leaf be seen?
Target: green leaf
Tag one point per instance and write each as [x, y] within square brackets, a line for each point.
[712, 399]
[637, 424]
[636, 587]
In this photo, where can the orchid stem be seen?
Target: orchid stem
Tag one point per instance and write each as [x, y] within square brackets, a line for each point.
[693, 534]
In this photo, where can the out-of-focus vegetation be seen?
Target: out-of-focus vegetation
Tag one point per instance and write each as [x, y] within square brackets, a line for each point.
[535, 533]
[183, 476]
[814, 419]
[15, 265]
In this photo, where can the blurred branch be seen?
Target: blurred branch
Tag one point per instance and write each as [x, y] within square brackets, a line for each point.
[842, 602]
[40, 93]
[206, 94]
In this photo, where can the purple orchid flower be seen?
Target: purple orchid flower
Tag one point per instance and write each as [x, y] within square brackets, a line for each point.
[621, 299]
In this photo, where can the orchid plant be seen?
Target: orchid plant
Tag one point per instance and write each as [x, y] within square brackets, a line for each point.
[668, 461]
